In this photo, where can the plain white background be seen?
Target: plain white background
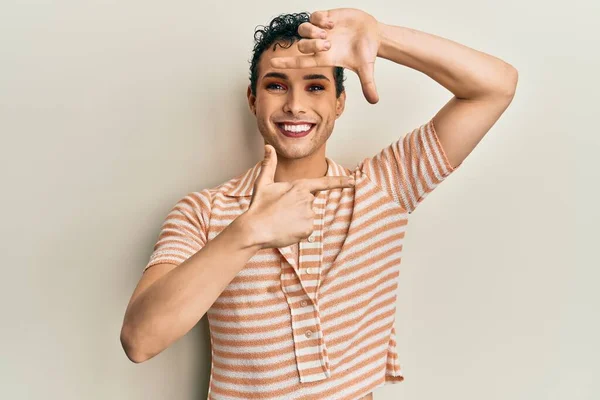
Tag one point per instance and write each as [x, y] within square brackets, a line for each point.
[112, 111]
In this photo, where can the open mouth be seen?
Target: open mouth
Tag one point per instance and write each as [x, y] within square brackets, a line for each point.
[295, 130]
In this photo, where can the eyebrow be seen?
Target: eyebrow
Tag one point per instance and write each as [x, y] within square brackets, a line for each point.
[284, 76]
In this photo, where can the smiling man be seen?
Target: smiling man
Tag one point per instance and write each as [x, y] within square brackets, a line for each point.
[295, 109]
[296, 261]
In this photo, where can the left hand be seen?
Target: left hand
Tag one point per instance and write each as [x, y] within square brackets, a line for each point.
[355, 40]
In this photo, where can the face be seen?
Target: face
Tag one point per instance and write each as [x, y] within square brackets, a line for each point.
[295, 109]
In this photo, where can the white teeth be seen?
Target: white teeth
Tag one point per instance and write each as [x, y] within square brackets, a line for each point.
[296, 128]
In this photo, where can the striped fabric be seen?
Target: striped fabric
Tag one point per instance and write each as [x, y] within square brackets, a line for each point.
[322, 328]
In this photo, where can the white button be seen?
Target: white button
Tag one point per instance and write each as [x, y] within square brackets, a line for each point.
[311, 270]
[308, 333]
[311, 239]
[304, 303]
[289, 301]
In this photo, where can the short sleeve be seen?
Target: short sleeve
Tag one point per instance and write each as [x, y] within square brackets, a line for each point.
[411, 167]
[184, 231]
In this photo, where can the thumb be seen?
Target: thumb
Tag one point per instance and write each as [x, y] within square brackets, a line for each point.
[366, 75]
[269, 165]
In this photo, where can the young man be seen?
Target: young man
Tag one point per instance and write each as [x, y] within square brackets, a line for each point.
[296, 261]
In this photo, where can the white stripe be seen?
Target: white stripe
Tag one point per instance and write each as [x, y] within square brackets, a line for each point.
[229, 212]
[256, 336]
[309, 258]
[250, 311]
[309, 364]
[255, 348]
[313, 378]
[307, 323]
[281, 318]
[168, 245]
[302, 338]
[308, 351]
[313, 245]
[303, 310]
[262, 361]
[309, 283]
[219, 203]
[171, 254]
[216, 222]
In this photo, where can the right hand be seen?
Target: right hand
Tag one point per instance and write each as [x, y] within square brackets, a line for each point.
[281, 213]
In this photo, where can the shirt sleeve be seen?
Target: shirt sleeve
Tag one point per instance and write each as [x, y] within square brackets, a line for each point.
[411, 167]
[184, 231]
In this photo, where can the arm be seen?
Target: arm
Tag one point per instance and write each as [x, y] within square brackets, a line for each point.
[166, 303]
[483, 85]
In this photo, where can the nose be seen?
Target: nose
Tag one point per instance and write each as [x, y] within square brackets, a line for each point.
[293, 103]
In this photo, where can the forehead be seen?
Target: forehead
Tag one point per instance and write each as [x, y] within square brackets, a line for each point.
[264, 65]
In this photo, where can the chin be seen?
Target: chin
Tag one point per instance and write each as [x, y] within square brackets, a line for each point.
[294, 153]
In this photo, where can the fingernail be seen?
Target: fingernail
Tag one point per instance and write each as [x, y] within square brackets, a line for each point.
[323, 34]
[327, 44]
[351, 181]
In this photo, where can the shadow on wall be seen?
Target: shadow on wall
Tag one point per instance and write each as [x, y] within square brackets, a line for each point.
[201, 333]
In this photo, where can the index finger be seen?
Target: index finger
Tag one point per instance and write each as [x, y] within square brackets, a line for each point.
[312, 61]
[321, 18]
[326, 183]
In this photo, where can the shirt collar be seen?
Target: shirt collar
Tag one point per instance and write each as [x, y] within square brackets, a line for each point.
[244, 184]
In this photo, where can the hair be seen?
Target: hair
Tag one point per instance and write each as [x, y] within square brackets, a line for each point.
[283, 30]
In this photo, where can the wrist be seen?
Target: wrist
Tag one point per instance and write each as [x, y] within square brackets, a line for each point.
[389, 40]
[244, 229]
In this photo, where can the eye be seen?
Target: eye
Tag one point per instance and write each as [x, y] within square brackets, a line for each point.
[319, 87]
[275, 86]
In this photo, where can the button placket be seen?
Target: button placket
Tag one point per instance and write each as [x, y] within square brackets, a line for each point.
[323, 211]
[316, 236]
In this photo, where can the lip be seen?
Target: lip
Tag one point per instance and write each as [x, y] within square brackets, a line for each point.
[293, 135]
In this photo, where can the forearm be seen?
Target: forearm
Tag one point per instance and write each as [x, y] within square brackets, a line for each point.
[171, 306]
[467, 73]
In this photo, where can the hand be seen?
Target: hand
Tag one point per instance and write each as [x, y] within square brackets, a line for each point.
[281, 213]
[354, 38]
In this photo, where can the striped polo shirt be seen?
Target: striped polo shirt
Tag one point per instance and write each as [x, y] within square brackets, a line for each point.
[322, 328]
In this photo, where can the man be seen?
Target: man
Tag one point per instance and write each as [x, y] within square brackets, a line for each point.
[296, 261]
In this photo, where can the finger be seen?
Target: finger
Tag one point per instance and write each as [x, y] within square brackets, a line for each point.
[326, 183]
[268, 167]
[308, 30]
[311, 61]
[366, 75]
[321, 19]
[310, 46]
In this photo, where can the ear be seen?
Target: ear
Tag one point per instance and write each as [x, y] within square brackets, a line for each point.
[340, 104]
[251, 100]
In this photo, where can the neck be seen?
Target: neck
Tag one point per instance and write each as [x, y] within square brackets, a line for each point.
[313, 166]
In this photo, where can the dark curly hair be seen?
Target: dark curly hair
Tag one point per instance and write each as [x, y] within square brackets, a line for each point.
[284, 29]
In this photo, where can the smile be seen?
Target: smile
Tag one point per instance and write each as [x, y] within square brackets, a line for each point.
[295, 130]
